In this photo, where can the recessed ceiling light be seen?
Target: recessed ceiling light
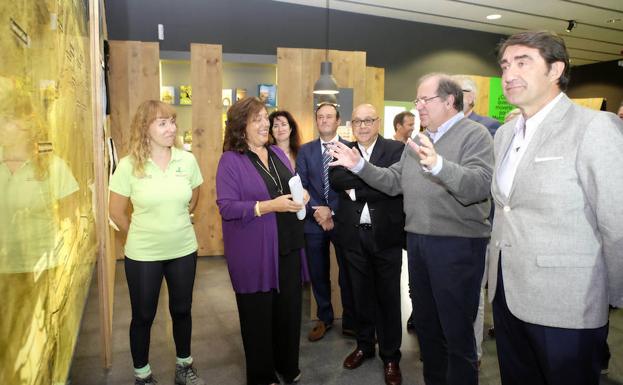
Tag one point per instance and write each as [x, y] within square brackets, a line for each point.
[494, 16]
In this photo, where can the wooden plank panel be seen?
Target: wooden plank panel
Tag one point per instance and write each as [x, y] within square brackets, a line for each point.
[375, 90]
[134, 78]
[482, 97]
[349, 69]
[119, 94]
[150, 72]
[206, 67]
[298, 70]
[105, 257]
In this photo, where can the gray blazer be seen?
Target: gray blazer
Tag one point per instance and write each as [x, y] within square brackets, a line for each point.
[560, 231]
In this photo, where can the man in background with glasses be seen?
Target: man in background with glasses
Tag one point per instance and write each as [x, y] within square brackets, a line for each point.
[445, 177]
[370, 226]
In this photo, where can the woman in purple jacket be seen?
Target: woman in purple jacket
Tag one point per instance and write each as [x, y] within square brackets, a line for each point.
[263, 241]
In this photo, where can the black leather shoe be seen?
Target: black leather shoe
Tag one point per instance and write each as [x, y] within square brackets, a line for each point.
[356, 358]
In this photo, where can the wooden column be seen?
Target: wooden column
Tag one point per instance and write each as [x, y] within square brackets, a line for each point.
[134, 78]
[206, 66]
[297, 71]
[105, 256]
[375, 90]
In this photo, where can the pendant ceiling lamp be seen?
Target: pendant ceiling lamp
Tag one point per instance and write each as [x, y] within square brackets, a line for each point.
[326, 84]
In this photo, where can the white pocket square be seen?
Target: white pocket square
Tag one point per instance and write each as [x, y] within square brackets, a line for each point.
[538, 159]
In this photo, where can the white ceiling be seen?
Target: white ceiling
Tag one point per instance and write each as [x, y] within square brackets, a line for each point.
[594, 39]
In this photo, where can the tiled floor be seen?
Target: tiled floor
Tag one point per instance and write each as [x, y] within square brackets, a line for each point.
[217, 346]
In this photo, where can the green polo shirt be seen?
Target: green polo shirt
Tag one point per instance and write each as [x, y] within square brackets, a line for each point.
[160, 227]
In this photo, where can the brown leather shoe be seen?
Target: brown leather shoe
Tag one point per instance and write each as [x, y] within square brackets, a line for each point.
[392, 374]
[318, 331]
[355, 359]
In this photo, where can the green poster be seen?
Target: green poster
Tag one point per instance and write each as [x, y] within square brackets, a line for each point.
[498, 105]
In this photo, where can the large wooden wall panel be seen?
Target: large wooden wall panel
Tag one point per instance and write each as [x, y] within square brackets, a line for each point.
[349, 69]
[482, 97]
[206, 66]
[297, 72]
[134, 78]
[375, 90]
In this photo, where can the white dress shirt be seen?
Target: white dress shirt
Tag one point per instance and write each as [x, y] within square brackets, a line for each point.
[365, 213]
[519, 145]
[435, 136]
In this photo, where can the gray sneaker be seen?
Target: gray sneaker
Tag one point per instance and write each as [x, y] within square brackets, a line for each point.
[145, 381]
[187, 375]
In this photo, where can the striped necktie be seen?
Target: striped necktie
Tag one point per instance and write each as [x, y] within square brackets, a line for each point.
[326, 159]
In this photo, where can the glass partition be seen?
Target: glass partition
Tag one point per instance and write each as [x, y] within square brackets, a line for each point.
[47, 238]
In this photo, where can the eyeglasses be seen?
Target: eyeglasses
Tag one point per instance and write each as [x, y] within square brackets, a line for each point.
[365, 122]
[424, 101]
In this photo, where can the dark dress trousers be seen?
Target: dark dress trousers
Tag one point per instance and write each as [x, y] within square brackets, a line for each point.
[309, 168]
[373, 253]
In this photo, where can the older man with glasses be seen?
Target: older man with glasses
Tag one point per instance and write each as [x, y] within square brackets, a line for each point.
[370, 227]
[445, 177]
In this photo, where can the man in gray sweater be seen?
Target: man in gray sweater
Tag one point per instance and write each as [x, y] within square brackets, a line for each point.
[445, 178]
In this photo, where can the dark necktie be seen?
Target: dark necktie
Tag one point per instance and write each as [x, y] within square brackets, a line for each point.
[326, 159]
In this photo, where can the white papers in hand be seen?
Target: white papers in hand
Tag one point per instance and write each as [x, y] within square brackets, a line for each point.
[296, 189]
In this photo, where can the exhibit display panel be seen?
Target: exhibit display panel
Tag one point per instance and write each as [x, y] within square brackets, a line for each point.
[47, 236]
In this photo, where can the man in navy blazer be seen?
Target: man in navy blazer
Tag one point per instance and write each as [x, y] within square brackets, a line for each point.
[319, 225]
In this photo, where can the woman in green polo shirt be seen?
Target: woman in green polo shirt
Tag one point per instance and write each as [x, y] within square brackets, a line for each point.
[162, 183]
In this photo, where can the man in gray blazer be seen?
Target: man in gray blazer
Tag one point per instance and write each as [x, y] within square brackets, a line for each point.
[556, 251]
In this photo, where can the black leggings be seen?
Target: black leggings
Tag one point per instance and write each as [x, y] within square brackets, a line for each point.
[144, 281]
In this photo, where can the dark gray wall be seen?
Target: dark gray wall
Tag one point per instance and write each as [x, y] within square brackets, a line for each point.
[599, 80]
[406, 50]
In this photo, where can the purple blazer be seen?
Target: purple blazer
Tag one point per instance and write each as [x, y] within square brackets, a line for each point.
[251, 244]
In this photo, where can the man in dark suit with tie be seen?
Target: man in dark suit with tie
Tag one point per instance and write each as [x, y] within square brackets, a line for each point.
[312, 166]
[371, 230]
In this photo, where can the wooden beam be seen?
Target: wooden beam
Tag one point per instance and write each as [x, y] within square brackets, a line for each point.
[206, 67]
[375, 91]
[134, 78]
[105, 269]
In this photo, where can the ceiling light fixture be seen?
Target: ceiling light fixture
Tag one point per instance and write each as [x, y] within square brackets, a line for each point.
[494, 16]
[572, 24]
[326, 84]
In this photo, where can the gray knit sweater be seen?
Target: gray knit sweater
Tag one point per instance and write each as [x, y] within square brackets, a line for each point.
[455, 202]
